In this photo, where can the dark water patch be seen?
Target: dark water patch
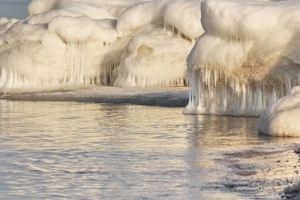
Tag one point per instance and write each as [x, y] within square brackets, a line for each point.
[171, 97]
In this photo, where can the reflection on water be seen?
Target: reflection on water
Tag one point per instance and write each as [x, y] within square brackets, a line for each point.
[92, 151]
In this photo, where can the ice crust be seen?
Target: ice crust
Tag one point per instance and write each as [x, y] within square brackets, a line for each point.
[282, 117]
[247, 58]
[66, 44]
[6, 24]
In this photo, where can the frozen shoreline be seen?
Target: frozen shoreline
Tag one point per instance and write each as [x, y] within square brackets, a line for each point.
[166, 96]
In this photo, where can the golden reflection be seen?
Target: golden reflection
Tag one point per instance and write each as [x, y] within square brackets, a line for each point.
[132, 147]
[69, 123]
[227, 132]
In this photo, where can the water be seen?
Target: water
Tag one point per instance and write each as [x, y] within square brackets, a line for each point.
[14, 8]
[71, 150]
[75, 150]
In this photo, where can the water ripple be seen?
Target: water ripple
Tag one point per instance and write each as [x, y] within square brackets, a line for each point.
[69, 150]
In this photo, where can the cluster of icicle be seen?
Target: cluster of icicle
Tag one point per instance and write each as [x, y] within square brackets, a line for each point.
[246, 61]
[212, 91]
[67, 44]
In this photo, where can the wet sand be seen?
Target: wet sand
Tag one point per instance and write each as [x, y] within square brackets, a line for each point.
[263, 173]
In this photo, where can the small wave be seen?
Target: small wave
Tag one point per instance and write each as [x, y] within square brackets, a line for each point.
[36, 169]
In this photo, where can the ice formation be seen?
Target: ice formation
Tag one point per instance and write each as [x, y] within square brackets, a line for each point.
[6, 24]
[247, 58]
[67, 44]
[282, 117]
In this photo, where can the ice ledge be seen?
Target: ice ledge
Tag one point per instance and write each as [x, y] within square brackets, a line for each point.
[163, 96]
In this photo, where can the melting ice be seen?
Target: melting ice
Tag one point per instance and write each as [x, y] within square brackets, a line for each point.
[246, 59]
[282, 117]
[69, 44]
[241, 55]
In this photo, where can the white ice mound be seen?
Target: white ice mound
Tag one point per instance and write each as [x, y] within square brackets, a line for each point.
[59, 55]
[70, 29]
[282, 117]
[6, 24]
[67, 44]
[115, 7]
[154, 57]
[75, 9]
[161, 41]
[41, 6]
[247, 58]
[183, 17]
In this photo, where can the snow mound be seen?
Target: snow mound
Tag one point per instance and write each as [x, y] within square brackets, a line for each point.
[76, 9]
[281, 118]
[247, 58]
[67, 44]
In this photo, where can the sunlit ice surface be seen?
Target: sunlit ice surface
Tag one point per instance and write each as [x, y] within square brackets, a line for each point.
[246, 61]
[281, 117]
[88, 150]
[235, 62]
[72, 44]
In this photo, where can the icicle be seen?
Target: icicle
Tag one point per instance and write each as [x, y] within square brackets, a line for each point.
[215, 77]
[289, 85]
[206, 73]
[298, 78]
[110, 73]
[3, 76]
[259, 98]
[244, 99]
[237, 87]
[225, 98]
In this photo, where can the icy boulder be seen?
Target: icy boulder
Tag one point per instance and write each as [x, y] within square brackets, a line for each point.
[115, 7]
[154, 57]
[6, 23]
[247, 58]
[75, 9]
[59, 55]
[23, 63]
[282, 117]
[67, 44]
[163, 36]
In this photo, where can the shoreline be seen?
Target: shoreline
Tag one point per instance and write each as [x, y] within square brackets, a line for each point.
[152, 96]
[261, 173]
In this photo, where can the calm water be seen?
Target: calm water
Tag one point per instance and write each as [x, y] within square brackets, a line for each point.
[14, 8]
[69, 150]
[75, 150]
